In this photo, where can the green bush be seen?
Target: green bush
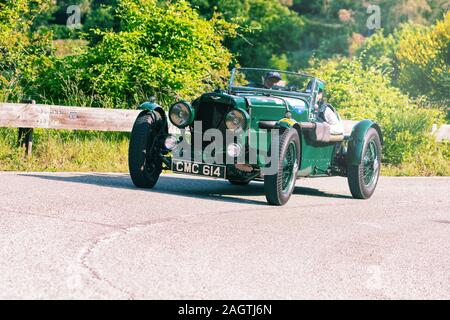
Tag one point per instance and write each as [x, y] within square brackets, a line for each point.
[22, 53]
[266, 28]
[379, 51]
[163, 50]
[424, 62]
[416, 57]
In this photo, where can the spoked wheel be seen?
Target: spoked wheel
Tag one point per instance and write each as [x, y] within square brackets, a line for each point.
[144, 160]
[363, 178]
[371, 164]
[279, 187]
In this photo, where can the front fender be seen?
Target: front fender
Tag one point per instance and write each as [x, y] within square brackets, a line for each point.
[151, 106]
[356, 143]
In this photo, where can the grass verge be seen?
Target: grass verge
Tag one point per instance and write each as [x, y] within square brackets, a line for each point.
[86, 151]
[66, 151]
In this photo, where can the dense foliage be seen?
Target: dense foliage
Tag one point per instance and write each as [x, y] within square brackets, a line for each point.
[22, 54]
[416, 57]
[127, 51]
[267, 28]
[164, 51]
[360, 92]
[424, 60]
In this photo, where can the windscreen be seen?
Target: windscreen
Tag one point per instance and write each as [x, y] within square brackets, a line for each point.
[272, 80]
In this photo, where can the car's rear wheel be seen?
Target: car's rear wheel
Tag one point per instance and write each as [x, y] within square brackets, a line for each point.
[144, 158]
[363, 178]
[279, 186]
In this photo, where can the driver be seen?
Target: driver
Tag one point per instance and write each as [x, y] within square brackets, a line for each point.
[271, 78]
[327, 113]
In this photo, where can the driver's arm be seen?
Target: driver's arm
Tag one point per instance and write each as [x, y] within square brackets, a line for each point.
[336, 126]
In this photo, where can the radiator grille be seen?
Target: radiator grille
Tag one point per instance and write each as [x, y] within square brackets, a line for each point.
[212, 115]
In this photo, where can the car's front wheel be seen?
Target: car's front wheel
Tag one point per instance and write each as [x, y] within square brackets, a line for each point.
[279, 186]
[363, 178]
[144, 159]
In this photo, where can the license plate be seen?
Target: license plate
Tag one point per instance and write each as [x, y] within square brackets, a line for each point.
[202, 169]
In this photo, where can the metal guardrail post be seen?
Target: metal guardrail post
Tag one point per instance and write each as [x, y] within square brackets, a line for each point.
[25, 139]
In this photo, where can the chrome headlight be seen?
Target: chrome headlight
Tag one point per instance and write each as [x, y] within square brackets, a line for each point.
[234, 150]
[237, 120]
[171, 142]
[181, 114]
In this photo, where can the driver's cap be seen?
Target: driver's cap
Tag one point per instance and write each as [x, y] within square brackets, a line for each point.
[273, 75]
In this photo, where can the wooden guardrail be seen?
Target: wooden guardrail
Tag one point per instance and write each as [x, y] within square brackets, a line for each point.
[28, 115]
[31, 115]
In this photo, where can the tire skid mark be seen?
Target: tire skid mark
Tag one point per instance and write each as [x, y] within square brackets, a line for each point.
[120, 231]
[88, 250]
[106, 238]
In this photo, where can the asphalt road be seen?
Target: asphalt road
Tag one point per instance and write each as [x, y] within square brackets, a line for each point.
[96, 236]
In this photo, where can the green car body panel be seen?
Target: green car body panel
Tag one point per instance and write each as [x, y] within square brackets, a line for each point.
[152, 106]
[315, 157]
[355, 144]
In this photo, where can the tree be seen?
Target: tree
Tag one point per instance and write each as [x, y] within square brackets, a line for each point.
[416, 58]
[267, 28]
[23, 53]
[424, 62]
[337, 27]
[165, 50]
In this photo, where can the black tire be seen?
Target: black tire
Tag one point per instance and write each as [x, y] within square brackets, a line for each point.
[278, 189]
[145, 168]
[363, 184]
[239, 182]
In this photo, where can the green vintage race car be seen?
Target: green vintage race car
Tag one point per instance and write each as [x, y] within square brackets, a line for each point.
[267, 125]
